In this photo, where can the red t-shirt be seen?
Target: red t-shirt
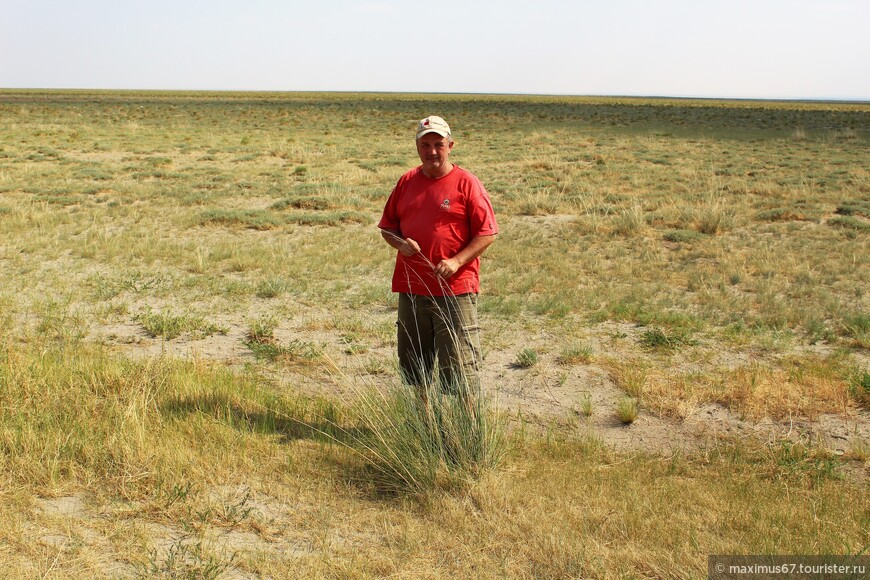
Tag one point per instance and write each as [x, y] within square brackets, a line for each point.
[442, 216]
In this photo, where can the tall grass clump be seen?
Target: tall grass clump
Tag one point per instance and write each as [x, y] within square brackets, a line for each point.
[414, 440]
[629, 222]
[626, 410]
[712, 217]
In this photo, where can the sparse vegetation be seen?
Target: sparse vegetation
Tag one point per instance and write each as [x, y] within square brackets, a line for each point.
[194, 294]
[575, 353]
[526, 358]
[586, 406]
[272, 288]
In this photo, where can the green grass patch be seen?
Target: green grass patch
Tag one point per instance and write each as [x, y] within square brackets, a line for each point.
[170, 326]
[330, 218]
[302, 202]
[526, 358]
[853, 208]
[666, 338]
[575, 353]
[260, 338]
[272, 288]
[253, 219]
[682, 236]
[781, 214]
[61, 200]
[850, 222]
[293, 352]
[267, 220]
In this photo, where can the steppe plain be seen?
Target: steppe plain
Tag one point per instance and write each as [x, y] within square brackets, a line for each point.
[675, 315]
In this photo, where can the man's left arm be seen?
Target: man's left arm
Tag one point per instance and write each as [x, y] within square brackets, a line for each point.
[478, 244]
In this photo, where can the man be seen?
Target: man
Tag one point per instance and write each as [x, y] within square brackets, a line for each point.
[440, 219]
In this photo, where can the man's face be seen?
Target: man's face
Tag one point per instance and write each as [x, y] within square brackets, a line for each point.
[434, 150]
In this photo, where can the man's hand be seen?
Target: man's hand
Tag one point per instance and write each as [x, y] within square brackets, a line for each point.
[406, 246]
[447, 268]
[409, 247]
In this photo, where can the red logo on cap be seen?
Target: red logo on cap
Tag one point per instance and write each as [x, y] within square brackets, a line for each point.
[426, 123]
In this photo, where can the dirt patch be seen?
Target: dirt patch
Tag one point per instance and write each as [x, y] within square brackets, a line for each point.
[65, 524]
[72, 506]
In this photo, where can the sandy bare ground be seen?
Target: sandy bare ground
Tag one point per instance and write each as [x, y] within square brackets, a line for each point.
[548, 395]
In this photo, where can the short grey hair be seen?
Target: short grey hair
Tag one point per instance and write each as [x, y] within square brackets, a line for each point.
[449, 137]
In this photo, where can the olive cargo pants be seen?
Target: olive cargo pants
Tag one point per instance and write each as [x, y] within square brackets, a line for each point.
[443, 328]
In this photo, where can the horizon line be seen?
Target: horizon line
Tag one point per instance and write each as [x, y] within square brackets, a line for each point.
[843, 100]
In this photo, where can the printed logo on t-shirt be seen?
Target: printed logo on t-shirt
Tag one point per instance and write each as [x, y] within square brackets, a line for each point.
[445, 205]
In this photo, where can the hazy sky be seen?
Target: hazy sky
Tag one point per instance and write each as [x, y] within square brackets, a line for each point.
[707, 48]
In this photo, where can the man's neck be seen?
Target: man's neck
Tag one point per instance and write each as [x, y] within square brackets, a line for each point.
[444, 171]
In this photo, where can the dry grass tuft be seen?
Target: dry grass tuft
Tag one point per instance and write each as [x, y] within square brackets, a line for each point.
[626, 410]
[629, 375]
[678, 394]
[629, 222]
[804, 387]
[806, 390]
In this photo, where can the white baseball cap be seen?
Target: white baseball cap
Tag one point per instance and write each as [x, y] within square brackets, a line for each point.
[433, 124]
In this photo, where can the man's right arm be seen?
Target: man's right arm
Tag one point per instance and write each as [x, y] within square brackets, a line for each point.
[406, 246]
